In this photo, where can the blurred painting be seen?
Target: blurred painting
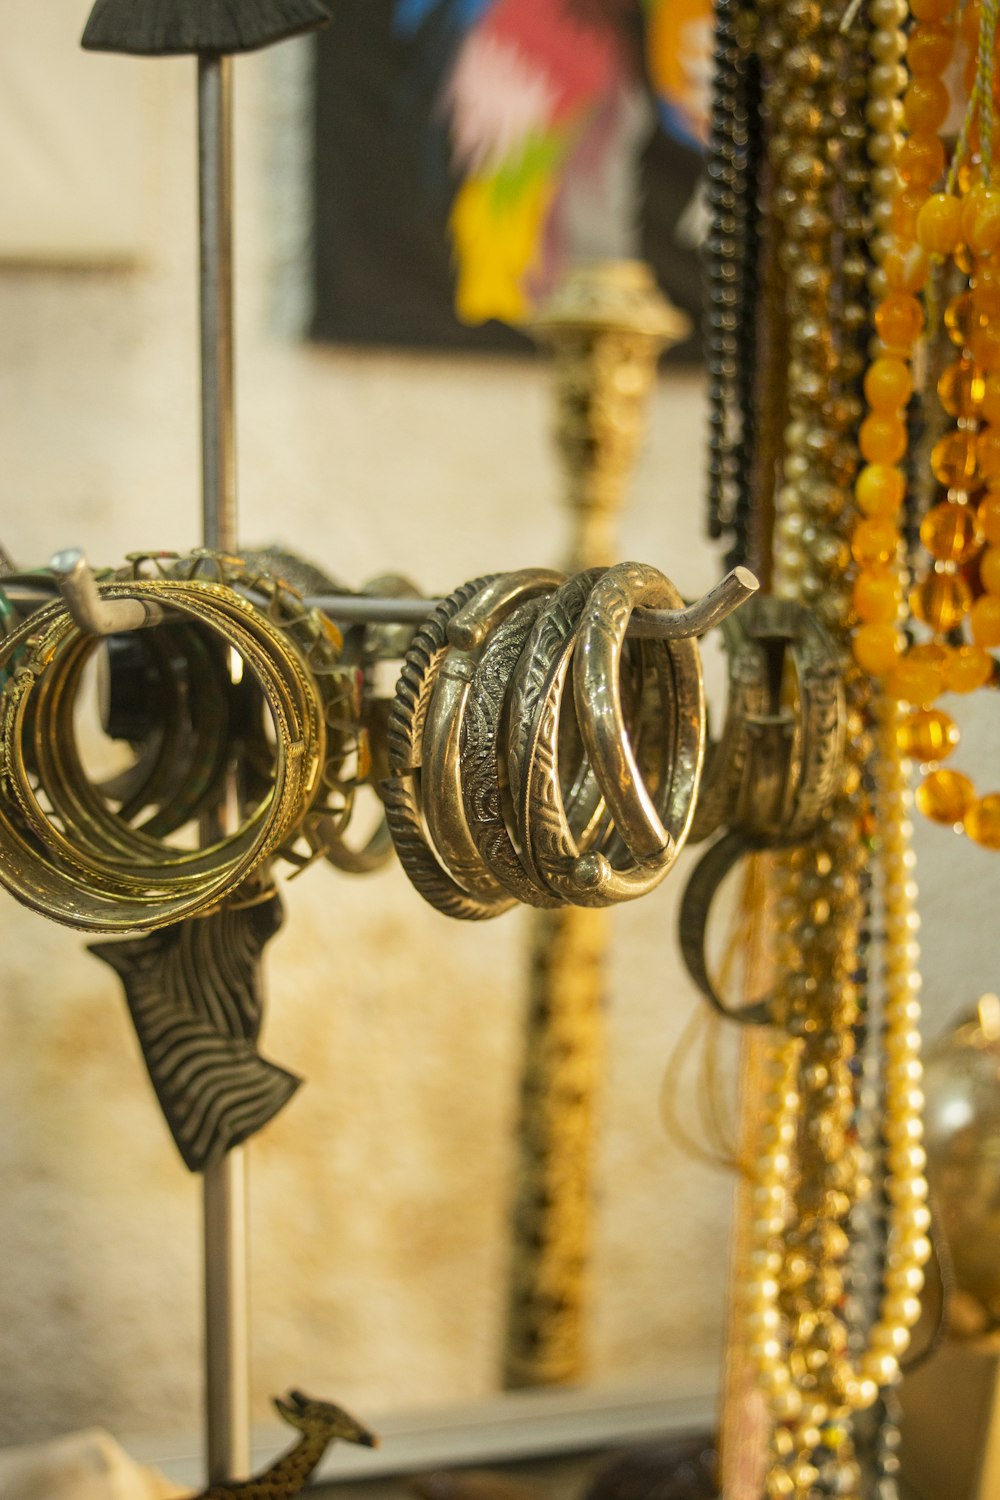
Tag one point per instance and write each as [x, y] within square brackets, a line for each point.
[467, 150]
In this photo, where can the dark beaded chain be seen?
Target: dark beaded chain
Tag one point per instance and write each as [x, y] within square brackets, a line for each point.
[731, 252]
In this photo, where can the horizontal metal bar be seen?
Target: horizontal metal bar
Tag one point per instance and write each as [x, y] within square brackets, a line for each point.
[362, 609]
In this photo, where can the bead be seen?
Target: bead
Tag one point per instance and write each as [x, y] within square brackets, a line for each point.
[880, 1366]
[970, 18]
[985, 289]
[929, 49]
[887, 47]
[875, 540]
[953, 460]
[961, 388]
[984, 620]
[906, 268]
[991, 401]
[988, 455]
[887, 13]
[888, 384]
[916, 681]
[931, 10]
[882, 114]
[876, 596]
[941, 601]
[981, 219]
[945, 796]
[967, 668]
[899, 320]
[921, 161]
[925, 105]
[982, 821]
[989, 570]
[928, 735]
[876, 648]
[882, 439]
[961, 318]
[984, 343]
[904, 215]
[950, 532]
[939, 224]
[879, 490]
[988, 516]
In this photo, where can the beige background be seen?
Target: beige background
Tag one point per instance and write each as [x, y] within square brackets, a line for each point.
[378, 1199]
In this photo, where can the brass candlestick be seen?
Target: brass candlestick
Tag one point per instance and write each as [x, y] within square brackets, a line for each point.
[605, 328]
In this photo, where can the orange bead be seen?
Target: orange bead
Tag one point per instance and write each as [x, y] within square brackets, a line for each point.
[888, 384]
[921, 162]
[967, 668]
[988, 453]
[953, 460]
[875, 542]
[961, 388]
[932, 10]
[971, 20]
[991, 399]
[988, 516]
[984, 347]
[899, 319]
[939, 224]
[985, 289]
[928, 735]
[876, 648]
[941, 601]
[925, 105]
[906, 267]
[951, 533]
[984, 620]
[981, 219]
[879, 490]
[962, 318]
[876, 596]
[905, 207]
[929, 49]
[945, 796]
[881, 439]
[917, 680]
[982, 821]
[989, 570]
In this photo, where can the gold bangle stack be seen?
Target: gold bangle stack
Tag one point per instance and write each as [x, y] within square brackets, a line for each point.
[66, 851]
[535, 755]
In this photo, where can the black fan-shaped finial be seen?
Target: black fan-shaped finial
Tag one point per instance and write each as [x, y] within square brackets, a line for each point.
[163, 28]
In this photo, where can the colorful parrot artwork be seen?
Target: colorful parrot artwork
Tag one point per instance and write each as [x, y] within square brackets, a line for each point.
[534, 92]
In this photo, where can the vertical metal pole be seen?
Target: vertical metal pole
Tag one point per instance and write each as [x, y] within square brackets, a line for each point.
[215, 202]
[227, 1362]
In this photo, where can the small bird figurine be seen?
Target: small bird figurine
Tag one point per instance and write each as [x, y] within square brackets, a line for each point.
[320, 1423]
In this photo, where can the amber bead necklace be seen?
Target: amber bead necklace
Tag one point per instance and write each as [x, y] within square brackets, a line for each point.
[958, 598]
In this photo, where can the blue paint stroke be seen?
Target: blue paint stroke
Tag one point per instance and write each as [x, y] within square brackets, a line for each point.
[410, 15]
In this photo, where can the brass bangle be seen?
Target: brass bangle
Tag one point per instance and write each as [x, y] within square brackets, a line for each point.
[400, 791]
[549, 842]
[651, 841]
[441, 780]
[774, 768]
[482, 760]
[104, 875]
[696, 903]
